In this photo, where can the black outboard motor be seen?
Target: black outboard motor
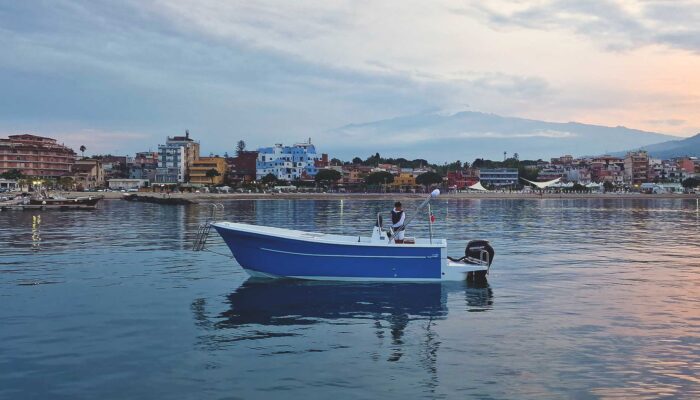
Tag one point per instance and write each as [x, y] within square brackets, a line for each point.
[477, 252]
[474, 252]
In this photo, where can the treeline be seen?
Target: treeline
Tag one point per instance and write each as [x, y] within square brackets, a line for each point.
[527, 168]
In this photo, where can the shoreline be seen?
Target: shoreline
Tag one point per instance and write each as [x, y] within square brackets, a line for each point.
[207, 197]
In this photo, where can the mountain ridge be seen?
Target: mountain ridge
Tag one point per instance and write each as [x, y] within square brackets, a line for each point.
[467, 135]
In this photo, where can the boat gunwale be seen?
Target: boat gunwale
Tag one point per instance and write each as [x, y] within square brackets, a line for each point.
[320, 238]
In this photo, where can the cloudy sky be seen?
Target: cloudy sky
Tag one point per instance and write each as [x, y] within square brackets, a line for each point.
[120, 76]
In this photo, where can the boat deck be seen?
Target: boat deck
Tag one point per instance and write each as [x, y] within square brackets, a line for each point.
[324, 237]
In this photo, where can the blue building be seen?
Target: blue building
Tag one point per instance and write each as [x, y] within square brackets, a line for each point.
[498, 176]
[287, 163]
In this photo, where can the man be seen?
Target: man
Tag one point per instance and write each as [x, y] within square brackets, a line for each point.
[398, 218]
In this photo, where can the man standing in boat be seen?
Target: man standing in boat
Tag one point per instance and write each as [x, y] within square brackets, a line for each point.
[398, 218]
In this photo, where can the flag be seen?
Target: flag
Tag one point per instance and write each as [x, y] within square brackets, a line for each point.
[432, 218]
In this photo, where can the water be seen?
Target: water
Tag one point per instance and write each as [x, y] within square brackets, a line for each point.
[586, 299]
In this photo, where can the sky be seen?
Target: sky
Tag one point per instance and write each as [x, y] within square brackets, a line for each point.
[120, 76]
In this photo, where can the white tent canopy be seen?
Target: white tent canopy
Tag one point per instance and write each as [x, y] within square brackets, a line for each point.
[543, 185]
[477, 186]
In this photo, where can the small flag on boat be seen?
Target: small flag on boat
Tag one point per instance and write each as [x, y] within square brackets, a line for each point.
[432, 218]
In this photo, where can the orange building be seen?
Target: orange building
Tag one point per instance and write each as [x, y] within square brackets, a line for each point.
[199, 168]
[35, 156]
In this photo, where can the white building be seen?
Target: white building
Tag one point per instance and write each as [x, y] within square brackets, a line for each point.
[287, 163]
[175, 158]
[127, 184]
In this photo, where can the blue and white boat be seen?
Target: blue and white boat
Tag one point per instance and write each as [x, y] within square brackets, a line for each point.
[272, 252]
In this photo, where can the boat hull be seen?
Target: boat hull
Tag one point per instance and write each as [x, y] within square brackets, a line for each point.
[270, 256]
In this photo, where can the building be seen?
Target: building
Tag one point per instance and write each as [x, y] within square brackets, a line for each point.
[287, 163]
[8, 185]
[127, 184]
[636, 167]
[35, 156]
[498, 176]
[242, 168]
[687, 165]
[607, 169]
[175, 158]
[563, 160]
[144, 166]
[88, 173]
[404, 180]
[461, 179]
[199, 169]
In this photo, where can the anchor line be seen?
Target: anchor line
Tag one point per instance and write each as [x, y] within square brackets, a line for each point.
[216, 252]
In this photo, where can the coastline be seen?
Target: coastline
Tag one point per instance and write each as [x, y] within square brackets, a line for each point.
[208, 197]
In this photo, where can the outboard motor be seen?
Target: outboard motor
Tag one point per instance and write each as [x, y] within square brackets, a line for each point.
[477, 252]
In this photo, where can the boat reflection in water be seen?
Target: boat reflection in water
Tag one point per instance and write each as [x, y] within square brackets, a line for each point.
[269, 309]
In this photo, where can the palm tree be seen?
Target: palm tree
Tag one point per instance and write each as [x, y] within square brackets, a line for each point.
[211, 174]
[82, 150]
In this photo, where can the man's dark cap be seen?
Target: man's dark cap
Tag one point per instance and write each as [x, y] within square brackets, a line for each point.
[397, 204]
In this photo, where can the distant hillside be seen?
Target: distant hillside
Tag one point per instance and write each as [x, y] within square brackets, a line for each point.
[676, 148]
[469, 135]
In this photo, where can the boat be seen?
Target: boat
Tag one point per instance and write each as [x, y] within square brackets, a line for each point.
[272, 252]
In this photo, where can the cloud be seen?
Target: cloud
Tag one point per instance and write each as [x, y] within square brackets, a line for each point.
[672, 122]
[617, 25]
[269, 71]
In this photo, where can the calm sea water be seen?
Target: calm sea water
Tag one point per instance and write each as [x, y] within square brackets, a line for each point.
[586, 299]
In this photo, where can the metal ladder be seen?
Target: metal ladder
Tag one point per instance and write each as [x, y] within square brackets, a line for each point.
[200, 239]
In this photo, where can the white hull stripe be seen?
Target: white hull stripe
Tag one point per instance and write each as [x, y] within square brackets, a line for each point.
[344, 255]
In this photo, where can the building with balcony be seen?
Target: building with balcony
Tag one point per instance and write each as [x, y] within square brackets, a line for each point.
[636, 167]
[88, 173]
[175, 158]
[498, 176]
[242, 168]
[199, 169]
[288, 163]
[35, 156]
[404, 180]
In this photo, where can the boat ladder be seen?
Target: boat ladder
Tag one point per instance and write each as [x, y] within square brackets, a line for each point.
[200, 239]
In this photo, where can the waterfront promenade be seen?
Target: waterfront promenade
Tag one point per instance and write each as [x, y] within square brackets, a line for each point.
[391, 196]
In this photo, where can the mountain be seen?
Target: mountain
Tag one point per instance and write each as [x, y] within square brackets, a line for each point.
[468, 135]
[675, 148]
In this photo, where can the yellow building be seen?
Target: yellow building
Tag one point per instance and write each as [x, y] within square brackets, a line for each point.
[404, 180]
[199, 168]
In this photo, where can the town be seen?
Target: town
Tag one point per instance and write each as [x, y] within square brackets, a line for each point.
[28, 161]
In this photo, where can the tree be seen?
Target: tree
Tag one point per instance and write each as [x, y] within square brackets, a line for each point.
[82, 150]
[336, 161]
[528, 173]
[608, 186]
[212, 173]
[378, 178]
[690, 183]
[13, 174]
[373, 160]
[429, 178]
[66, 182]
[357, 160]
[240, 147]
[269, 179]
[327, 175]
[578, 188]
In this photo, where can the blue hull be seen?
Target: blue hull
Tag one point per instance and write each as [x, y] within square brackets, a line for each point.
[269, 255]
